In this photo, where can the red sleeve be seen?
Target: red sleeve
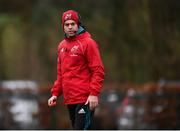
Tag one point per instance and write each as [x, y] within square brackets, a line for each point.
[57, 87]
[96, 68]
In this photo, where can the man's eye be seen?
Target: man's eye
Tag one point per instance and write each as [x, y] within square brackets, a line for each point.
[66, 24]
[72, 24]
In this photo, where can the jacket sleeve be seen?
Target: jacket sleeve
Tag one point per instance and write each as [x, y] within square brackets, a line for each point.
[57, 86]
[96, 67]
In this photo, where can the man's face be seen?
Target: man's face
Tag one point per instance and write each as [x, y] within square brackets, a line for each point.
[70, 28]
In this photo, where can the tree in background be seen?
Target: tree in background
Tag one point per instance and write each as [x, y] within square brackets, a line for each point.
[139, 39]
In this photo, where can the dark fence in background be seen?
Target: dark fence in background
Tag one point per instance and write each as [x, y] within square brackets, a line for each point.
[26, 108]
[141, 111]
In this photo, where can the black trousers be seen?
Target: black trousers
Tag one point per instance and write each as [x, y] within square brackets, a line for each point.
[81, 116]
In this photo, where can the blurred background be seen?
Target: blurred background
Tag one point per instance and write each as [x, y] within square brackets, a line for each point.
[139, 41]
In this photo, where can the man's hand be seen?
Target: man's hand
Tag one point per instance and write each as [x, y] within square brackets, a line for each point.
[93, 102]
[52, 101]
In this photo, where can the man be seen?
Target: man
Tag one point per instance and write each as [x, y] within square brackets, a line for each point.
[80, 72]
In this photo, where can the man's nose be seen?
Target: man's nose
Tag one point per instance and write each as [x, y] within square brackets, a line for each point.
[70, 26]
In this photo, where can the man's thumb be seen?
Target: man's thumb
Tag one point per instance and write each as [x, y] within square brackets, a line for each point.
[87, 102]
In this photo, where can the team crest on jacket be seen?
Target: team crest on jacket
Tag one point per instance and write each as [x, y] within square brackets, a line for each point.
[74, 50]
